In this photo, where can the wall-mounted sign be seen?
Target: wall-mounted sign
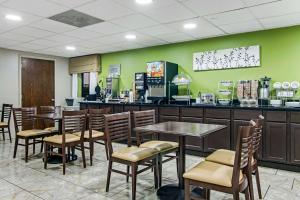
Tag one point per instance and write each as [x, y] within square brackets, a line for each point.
[115, 70]
[227, 58]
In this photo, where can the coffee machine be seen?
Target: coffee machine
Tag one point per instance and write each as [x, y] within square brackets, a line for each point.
[112, 87]
[264, 91]
[159, 76]
[140, 85]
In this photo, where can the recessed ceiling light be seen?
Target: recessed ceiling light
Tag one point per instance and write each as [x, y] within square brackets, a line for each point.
[130, 37]
[143, 2]
[13, 17]
[70, 48]
[190, 26]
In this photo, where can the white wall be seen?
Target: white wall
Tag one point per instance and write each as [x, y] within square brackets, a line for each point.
[10, 90]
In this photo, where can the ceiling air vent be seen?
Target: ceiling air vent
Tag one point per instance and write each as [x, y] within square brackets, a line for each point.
[76, 18]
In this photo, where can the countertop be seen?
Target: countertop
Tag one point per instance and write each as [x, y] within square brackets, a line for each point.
[282, 108]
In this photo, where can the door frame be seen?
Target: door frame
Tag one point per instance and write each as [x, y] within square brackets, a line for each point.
[20, 56]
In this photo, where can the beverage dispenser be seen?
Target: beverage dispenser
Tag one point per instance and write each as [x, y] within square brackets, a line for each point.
[159, 76]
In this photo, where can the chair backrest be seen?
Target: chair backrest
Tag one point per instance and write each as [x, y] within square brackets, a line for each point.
[23, 118]
[47, 110]
[243, 151]
[257, 135]
[6, 113]
[96, 118]
[73, 122]
[117, 128]
[143, 118]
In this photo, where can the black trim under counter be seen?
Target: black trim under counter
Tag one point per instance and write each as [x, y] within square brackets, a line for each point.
[281, 134]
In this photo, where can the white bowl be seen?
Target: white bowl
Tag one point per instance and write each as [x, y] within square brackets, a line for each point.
[292, 104]
[276, 102]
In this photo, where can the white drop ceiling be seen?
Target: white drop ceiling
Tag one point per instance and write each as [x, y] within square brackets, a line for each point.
[158, 23]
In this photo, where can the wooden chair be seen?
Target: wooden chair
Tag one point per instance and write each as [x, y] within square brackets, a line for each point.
[73, 122]
[118, 128]
[49, 125]
[223, 178]
[95, 132]
[143, 118]
[23, 120]
[227, 157]
[5, 120]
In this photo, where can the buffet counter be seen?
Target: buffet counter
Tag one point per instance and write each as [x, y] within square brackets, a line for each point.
[281, 134]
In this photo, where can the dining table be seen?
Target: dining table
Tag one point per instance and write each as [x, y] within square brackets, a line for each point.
[181, 130]
[57, 117]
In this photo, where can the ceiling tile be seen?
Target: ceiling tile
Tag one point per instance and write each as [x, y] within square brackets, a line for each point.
[258, 2]
[104, 9]
[44, 42]
[82, 34]
[7, 25]
[53, 26]
[4, 42]
[157, 30]
[242, 27]
[170, 13]
[63, 38]
[142, 8]
[42, 8]
[105, 28]
[205, 7]
[112, 39]
[230, 17]
[28, 46]
[281, 21]
[134, 21]
[203, 29]
[176, 37]
[276, 8]
[71, 3]
[16, 37]
[33, 32]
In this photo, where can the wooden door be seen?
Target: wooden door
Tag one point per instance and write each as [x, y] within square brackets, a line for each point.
[295, 143]
[275, 148]
[37, 82]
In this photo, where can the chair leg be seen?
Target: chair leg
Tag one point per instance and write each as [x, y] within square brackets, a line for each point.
[42, 144]
[26, 150]
[177, 164]
[156, 172]
[91, 152]
[9, 133]
[83, 155]
[3, 133]
[33, 149]
[63, 152]
[45, 155]
[108, 175]
[187, 195]
[128, 173]
[207, 193]
[250, 183]
[16, 146]
[106, 149]
[247, 194]
[258, 183]
[236, 195]
[159, 170]
[133, 182]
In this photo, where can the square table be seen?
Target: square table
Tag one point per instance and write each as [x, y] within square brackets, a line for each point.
[180, 129]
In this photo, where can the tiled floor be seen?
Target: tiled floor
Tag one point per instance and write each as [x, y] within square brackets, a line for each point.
[30, 181]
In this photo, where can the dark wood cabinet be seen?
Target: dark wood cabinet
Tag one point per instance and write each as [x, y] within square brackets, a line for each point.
[193, 143]
[246, 114]
[117, 108]
[275, 138]
[220, 139]
[295, 143]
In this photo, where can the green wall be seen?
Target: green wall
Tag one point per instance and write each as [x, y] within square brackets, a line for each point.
[280, 58]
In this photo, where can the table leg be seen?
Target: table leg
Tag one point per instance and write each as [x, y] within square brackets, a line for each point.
[181, 161]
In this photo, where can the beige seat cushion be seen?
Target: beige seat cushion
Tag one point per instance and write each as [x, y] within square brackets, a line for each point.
[224, 156]
[213, 173]
[51, 129]
[95, 134]
[57, 139]
[31, 133]
[134, 154]
[160, 145]
[3, 124]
